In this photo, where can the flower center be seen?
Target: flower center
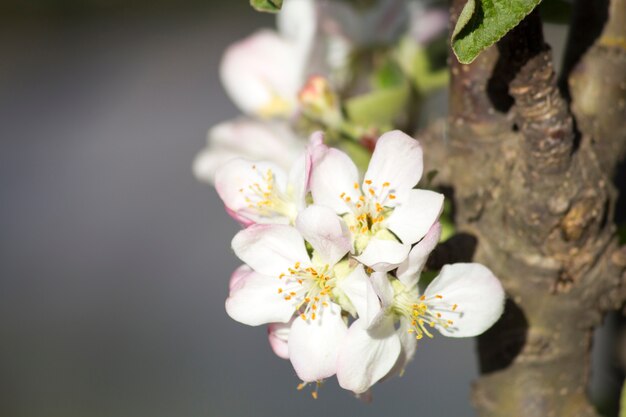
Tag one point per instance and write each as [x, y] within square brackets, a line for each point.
[276, 106]
[422, 313]
[309, 288]
[368, 212]
[264, 197]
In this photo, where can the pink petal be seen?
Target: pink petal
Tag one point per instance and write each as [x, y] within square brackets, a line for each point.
[238, 277]
[278, 336]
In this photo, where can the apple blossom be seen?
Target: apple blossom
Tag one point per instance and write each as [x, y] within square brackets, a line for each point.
[262, 192]
[464, 300]
[282, 280]
[384, 214]
[263, 73]
[271, 141]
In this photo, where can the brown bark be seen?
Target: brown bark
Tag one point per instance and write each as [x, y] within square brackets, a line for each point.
[536, 194]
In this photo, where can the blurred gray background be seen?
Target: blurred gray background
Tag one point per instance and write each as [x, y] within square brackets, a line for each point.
[114, 261]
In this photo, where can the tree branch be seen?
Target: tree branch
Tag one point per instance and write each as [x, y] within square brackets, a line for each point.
[541, 216]
[540, 112]
[588, 20]
[598, 90]
[471, 102]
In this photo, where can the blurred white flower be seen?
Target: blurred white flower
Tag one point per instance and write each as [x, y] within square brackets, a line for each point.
[272, 141]
[426, 22]
[263, 73]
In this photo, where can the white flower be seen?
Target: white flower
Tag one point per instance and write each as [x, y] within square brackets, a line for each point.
[262, 192]
[464, 300]
[282, 280]
[384, 213]
[263, 73]
[271, 141]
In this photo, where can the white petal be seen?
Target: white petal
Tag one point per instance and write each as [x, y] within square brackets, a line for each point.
[237, 277]
[409, 346]
[333, 174]
[254, 300]
[367, 355]
[409, 271]
[297, 21]
[415, 215]
[314, 344]
[359, 289]
[325, 231]
[384, 255]
[208, 160]
[477, 293]
[236, 182]
[270, 248]
[247, 138]
[278, 336]
[397, 159]
[260, 69]
[383, 287]
[299, 175]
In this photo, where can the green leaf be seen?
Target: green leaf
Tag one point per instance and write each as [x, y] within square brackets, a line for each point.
[483, 22]
[270, 6]
[448, 229]
[378, 107]
[426, 277]
[388, 75]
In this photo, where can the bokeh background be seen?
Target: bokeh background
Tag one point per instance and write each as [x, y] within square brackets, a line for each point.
[114, 260]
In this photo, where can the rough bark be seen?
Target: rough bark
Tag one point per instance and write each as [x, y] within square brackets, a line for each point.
[532, 186]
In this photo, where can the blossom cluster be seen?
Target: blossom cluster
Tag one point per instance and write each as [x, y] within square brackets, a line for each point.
[333, 259]
[292, 76]
[333, 252]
